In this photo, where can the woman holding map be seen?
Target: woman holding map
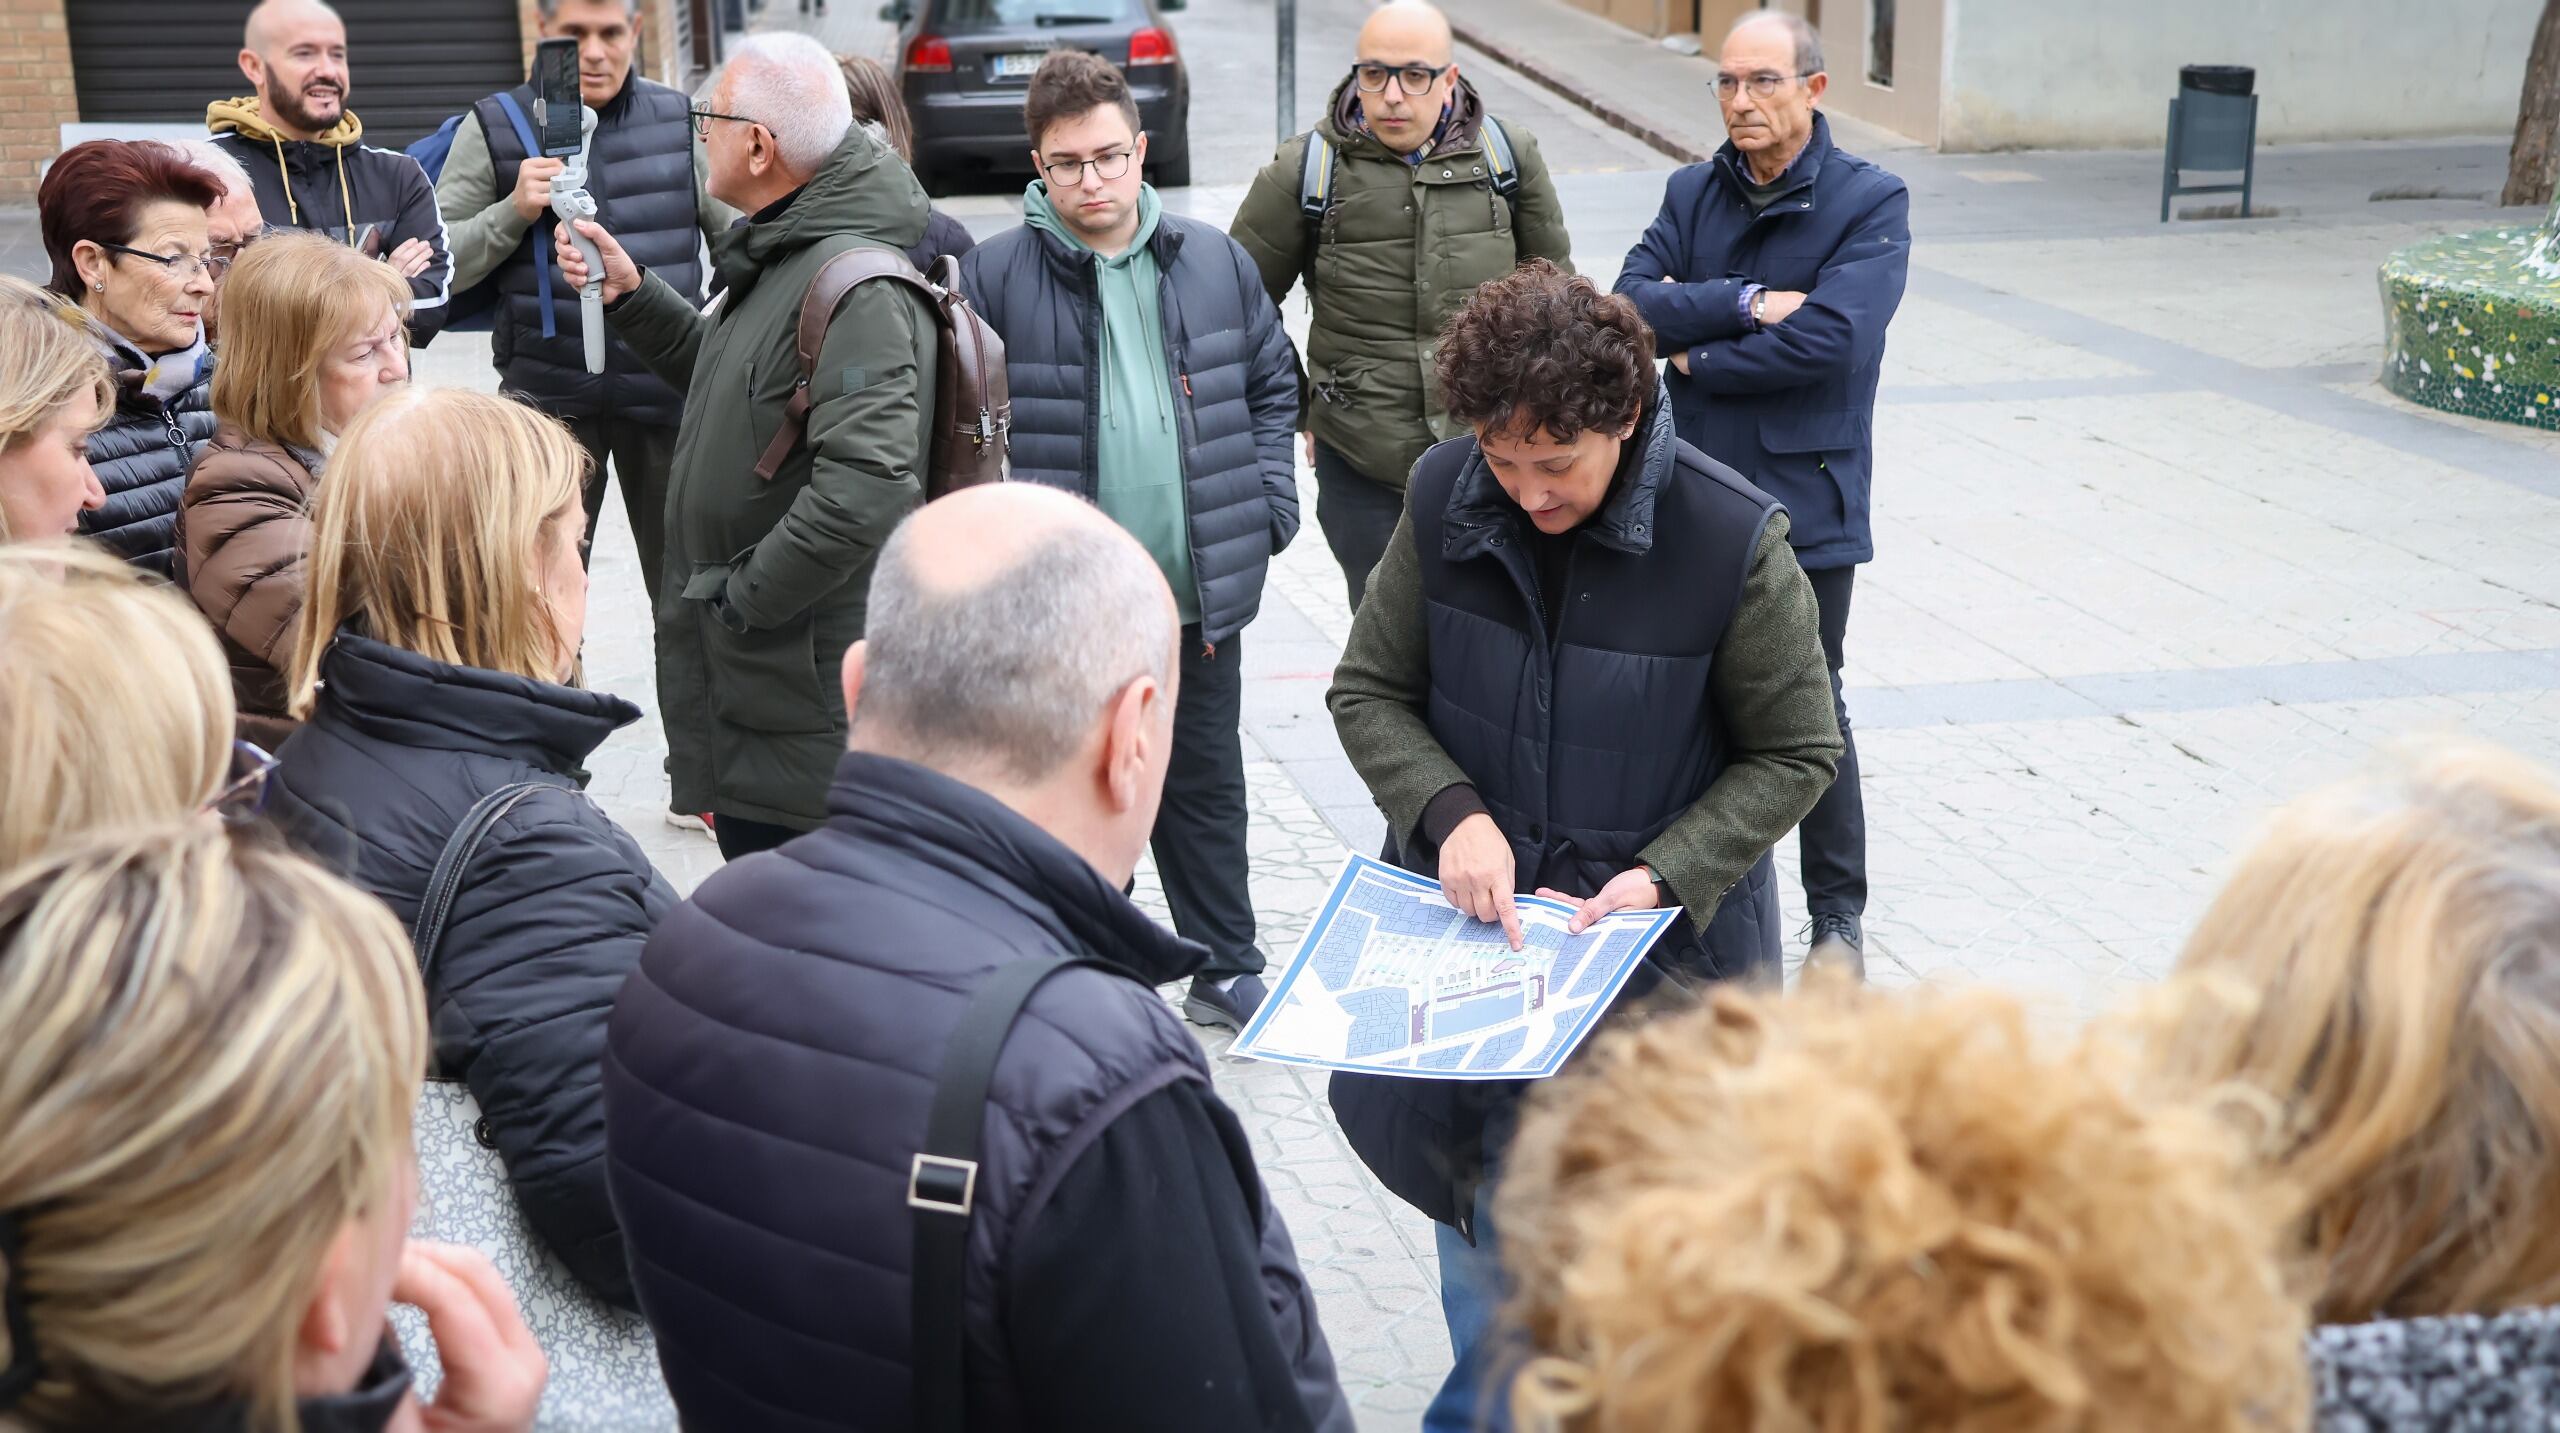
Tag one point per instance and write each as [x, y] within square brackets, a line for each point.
[1589, 666]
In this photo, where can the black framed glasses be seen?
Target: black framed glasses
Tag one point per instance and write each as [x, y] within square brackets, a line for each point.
[1762, 85]
[702, 119]
[1411, 79]
[1067, 173]
[244, 793]
[222, 256]
[183, 267]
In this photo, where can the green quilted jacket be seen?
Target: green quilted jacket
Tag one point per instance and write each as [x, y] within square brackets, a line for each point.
[1400, 249]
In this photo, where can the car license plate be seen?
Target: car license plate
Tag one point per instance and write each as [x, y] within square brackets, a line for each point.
[1019, 67]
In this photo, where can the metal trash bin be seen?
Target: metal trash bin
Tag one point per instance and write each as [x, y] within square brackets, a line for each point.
[2219, 79]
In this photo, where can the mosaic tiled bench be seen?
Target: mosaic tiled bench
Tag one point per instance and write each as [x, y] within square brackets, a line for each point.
[2472, 323]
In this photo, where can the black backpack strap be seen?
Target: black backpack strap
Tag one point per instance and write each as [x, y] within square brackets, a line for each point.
[446, 883]
[942, 1185]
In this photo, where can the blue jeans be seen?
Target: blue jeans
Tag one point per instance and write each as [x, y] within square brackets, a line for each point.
[1476, 1398]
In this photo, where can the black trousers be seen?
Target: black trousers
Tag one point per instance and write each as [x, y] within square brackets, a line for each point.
[1199, 840]
[1358, 515]
[739, 836]
[641, 455]
[1832, 842]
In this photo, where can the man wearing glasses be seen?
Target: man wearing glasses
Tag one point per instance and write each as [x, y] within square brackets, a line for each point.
[1151, 375]
[1403, 199]
[1769, 277]
[649, 176]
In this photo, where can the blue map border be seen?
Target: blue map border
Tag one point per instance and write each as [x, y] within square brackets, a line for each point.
[1356, 866]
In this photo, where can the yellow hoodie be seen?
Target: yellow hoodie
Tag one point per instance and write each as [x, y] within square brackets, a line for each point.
[243, 117]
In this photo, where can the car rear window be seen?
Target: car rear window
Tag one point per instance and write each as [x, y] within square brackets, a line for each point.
[1031, 14]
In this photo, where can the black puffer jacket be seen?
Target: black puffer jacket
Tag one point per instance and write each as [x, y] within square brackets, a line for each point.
[1237, 391]
[551, 915]
[142, 457]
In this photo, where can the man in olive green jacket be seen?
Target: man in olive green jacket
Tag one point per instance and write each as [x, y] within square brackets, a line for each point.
[765, 583]
[1413, 221]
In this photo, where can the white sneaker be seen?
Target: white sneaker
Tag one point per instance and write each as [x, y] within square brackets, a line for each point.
[683, 821]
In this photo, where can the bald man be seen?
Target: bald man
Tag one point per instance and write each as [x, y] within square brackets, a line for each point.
[818, 1077]
[1769, 278]
[1422, 196]
[307, 162]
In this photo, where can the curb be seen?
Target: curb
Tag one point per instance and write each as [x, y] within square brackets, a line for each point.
[1549, 79]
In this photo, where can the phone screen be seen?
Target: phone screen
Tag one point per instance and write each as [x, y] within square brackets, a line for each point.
[555, 83]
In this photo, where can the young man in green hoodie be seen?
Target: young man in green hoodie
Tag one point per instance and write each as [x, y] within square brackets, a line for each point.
[1151, 375]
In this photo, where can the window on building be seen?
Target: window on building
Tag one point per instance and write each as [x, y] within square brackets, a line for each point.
[1880, 43]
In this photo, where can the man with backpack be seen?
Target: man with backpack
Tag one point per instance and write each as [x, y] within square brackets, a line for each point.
[1401, 200]
[787, 476]
[646, 172]
[1156, 381]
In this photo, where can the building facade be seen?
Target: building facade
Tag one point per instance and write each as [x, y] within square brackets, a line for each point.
[75, 69]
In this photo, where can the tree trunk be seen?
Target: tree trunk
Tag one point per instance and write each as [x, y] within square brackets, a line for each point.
[2534, 162]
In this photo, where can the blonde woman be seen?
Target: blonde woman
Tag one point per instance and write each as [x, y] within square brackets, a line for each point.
[113, 704]
[317, 335]
[1860, 1214]
[205, 1179]
[445, 605]
[2386, 958]
[54, 392]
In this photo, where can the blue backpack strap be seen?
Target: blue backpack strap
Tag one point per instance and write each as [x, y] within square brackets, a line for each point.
[541, 249]
[1506, 166]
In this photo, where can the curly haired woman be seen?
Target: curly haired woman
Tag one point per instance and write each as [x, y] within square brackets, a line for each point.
[1857, 1213]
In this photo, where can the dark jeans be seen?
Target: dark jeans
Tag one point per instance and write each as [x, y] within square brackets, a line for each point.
[1358, 515]
[641, 455]
[739, 836]
[1833, 839]
[1199, 840]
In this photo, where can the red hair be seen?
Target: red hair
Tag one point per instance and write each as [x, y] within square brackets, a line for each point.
[98, 190]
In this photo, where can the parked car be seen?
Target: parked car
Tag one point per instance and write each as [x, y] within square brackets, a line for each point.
[964, 64]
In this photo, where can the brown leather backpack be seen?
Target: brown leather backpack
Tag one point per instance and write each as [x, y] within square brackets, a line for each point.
[972, 404]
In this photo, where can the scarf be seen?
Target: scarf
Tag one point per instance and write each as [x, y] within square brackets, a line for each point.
[163, 378]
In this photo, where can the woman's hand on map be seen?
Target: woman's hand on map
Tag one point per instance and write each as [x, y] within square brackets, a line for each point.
[1627, 891]
[1476, 874]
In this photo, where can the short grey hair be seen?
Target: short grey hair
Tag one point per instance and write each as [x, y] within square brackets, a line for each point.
[1808, 40]
[1012, 671]
[206, 155]
[789, 83]
[550, 9]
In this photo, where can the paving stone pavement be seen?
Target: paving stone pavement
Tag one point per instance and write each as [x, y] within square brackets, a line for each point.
[2155, 552]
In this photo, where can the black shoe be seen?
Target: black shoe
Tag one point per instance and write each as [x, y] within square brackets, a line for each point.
[1232, 1007]
[1839, 944]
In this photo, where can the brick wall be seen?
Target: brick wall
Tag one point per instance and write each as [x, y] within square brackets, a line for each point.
[36, 97]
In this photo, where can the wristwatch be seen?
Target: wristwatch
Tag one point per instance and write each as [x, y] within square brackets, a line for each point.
[1661, 888]
[1759, 303]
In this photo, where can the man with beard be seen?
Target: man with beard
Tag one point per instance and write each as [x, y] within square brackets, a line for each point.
[303, 151]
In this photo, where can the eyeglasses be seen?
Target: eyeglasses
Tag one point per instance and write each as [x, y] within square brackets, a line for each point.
[1411, 79]
[1763, 85]
[702, 119]
[245, 794]
[183, 267]
[1068, 173]
[223, 256]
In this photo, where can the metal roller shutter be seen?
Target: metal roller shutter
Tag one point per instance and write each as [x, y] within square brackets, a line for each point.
[413, 62]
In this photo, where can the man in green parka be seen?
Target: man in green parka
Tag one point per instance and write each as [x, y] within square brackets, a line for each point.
[765, 583]
[1425, 197]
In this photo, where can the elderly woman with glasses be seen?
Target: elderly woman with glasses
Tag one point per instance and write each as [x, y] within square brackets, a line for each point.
[125, 227]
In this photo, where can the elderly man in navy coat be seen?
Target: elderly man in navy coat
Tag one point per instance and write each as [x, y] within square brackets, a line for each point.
[1769, 277]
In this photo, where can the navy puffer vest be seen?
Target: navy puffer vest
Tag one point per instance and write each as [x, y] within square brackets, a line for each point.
[640, 170]
[771, 1064]
[1586, 742]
